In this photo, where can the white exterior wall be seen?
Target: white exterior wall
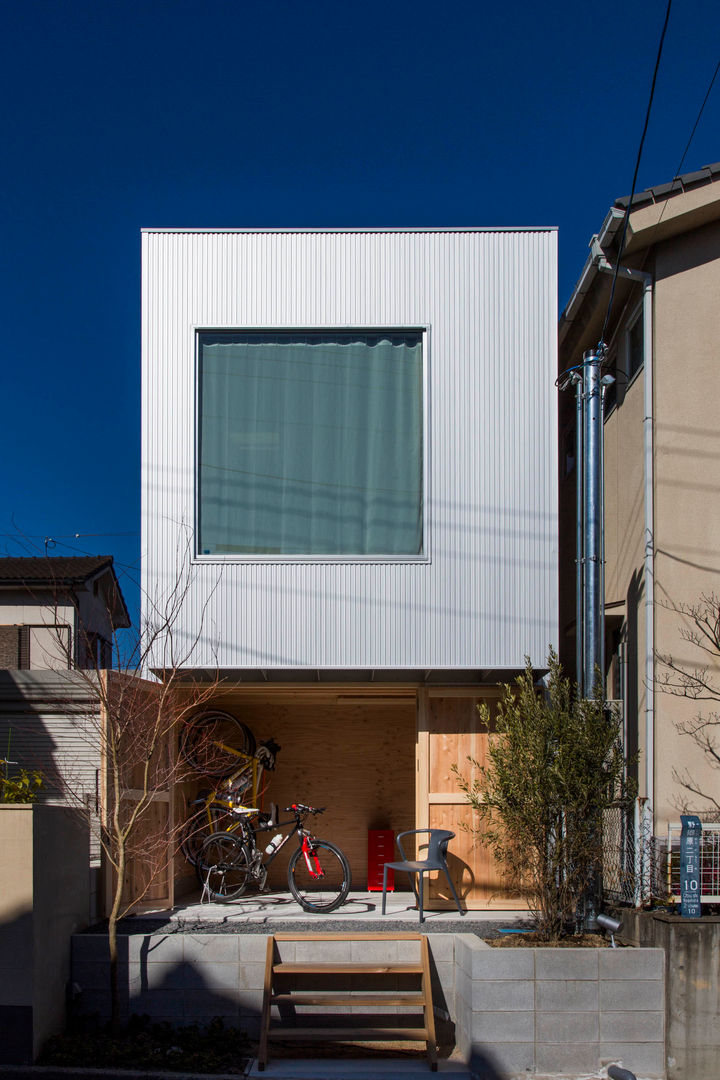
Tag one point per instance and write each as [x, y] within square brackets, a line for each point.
[487, 596]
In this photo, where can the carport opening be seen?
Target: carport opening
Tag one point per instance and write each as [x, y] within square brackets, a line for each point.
[355, 756]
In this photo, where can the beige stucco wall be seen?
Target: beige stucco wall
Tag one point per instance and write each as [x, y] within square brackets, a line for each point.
[686, 347]
[16, 904]
[624, 549]
[44, 855]
[624, 488]
[685, 268]
[687, 488]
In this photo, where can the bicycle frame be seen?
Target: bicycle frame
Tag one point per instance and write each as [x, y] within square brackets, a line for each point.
[246, 760]
[216, 798]
[265, 861]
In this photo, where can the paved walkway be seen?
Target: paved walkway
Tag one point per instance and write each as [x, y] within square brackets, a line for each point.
[358, 1069]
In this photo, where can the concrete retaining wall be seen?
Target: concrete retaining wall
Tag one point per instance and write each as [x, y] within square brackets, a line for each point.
[44, 854]
[526, 1010]
[189, 978]
[560, 1010]
[692, 949]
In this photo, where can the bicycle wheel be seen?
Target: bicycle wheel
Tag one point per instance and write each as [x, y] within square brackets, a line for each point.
[223, 866]
[325, 883]
[204, 742]
[193, 835]
[199, 826]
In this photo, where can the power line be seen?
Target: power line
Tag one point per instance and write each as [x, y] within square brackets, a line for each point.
[697, 121]
[628, 208]
[678, 170]
[51, 541]
[67, 536]
[70, 547]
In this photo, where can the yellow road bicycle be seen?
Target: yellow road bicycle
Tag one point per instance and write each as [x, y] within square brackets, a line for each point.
[217, 744]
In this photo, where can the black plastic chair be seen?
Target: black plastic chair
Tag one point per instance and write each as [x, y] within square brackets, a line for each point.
[436, 860]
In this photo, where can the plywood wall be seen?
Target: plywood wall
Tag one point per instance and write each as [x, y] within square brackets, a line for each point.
[358, 760]
[450, 731]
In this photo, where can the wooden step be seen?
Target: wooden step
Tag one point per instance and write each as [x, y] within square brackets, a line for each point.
[281, 971]
[368, 1034]
[346, 968]
[301, 998]
[347, 936]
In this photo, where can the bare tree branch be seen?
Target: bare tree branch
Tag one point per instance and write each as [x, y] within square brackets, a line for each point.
[697, 684]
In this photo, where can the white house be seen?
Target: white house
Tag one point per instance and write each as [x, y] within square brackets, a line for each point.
[357, 431]
[58, 612]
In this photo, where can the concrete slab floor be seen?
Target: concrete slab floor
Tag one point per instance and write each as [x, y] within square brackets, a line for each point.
[272, 907]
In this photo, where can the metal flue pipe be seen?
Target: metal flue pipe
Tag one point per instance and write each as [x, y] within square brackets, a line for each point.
[577, 379]
[593, 606]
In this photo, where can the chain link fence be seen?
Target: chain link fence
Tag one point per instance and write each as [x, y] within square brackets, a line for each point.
[634, 861]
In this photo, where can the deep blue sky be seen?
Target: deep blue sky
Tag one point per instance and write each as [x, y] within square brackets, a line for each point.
[118, 115]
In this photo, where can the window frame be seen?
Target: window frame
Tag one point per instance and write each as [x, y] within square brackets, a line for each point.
[423, 328]
[636, 317]
[619, 357]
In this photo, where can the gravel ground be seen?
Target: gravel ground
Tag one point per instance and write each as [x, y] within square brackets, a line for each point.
[139, 925]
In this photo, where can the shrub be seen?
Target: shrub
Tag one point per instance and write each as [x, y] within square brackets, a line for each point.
[555, 763]
[23, 788]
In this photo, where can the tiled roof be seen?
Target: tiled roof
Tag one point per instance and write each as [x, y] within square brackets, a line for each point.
[681, 183]
[52, 569]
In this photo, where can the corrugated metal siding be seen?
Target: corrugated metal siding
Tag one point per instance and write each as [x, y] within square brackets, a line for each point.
[48, 723]
[488, 596]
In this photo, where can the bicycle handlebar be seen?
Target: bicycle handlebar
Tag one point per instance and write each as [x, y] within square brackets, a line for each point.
[300, 808]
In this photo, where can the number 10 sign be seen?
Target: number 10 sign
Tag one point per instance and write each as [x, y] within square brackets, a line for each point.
[690, 907]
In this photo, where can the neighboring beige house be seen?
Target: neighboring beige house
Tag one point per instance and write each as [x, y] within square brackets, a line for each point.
[662, 441]
[58, 612]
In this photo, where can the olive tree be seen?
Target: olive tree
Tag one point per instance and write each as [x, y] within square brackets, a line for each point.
[555, 763]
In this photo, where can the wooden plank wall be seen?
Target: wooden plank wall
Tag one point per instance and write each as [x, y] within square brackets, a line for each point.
[358, 760]
[449, 732]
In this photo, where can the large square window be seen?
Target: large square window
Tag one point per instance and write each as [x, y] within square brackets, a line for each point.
[310, 443]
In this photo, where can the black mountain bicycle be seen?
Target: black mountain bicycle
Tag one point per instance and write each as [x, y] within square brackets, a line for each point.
[318, 872]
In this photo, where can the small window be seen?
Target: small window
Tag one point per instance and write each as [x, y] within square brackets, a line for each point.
[310, 443]
[635, 347]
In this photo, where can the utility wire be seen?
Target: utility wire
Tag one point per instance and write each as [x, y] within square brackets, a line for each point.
[52, 541]
[67, 536]
[678, 170]
[628, 208]
[127, 567]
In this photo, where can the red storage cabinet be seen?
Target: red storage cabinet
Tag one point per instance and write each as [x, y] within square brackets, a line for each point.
[381, 849]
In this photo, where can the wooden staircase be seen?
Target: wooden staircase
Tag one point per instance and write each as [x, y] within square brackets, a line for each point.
[335, 985]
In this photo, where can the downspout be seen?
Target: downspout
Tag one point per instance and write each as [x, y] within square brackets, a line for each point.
[602, 264]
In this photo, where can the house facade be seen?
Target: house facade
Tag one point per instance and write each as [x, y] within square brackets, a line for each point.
[660, 438]
[59, 612]
[348, 457]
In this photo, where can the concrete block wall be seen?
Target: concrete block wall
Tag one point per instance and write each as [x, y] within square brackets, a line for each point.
[561, 1011]
[191, 978]
[529, 1011]
[179, 978]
